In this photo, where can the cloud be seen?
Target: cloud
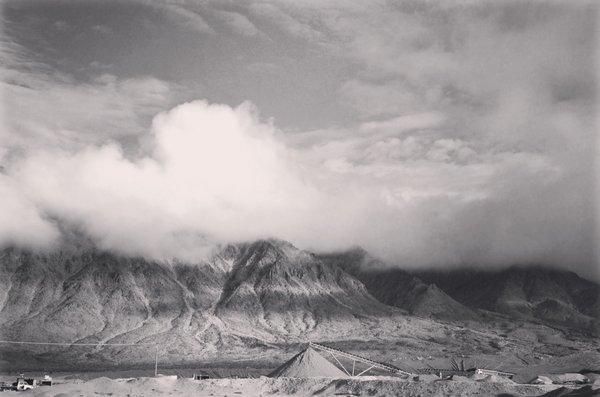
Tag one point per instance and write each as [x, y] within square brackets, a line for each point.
[292, 25]
[102, 29]
[392, 97]
[187, 18]
[45, 108]
[215, 175]
[403, 123]
[461, 134]
[238, 22]
[48, 114]
[21, 222]
[218, 174]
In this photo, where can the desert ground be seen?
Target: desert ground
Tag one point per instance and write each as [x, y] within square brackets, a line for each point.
[171, 385]
[306, 373]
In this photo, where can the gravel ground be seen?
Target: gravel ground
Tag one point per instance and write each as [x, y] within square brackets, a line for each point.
[264, 386]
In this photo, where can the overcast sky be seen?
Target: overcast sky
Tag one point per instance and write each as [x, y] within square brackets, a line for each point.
[430, 133]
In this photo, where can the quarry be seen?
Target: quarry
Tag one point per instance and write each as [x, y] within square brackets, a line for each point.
[309, 372]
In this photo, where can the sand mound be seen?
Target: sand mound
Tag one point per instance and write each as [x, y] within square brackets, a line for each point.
[428, 378]
[496, 379]
[101, 382]
[158, 382]
[541, 380]
[569, 377]
[308, 364]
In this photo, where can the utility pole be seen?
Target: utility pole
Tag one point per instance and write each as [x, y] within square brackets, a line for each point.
[156, 362]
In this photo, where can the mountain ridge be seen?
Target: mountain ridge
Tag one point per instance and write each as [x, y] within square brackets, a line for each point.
[243, 299]
[536, 292]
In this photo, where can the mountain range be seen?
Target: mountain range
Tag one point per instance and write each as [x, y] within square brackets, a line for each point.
[249, 298]
[535, 293]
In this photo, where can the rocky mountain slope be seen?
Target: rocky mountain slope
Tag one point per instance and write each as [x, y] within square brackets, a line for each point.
[249, 301]
[535, 293]
[275, 287]
[248, 295]
[101, 297]
[398, 287]
[548, 295]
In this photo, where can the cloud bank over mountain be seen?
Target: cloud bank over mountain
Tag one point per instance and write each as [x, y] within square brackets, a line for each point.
[217, 174]
[439, 135]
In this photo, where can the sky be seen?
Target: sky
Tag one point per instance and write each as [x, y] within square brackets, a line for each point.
[431, 133]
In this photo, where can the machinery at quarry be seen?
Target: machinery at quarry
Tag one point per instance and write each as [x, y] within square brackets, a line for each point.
[317, 365]
[323, 370]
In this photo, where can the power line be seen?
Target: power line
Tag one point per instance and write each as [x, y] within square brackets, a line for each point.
[19, 342]
[15, 342]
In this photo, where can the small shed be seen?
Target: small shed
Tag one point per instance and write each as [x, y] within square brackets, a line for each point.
[45, 381]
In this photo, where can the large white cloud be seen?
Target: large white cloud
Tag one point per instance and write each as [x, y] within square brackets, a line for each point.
[218, 174]
[21, 222]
